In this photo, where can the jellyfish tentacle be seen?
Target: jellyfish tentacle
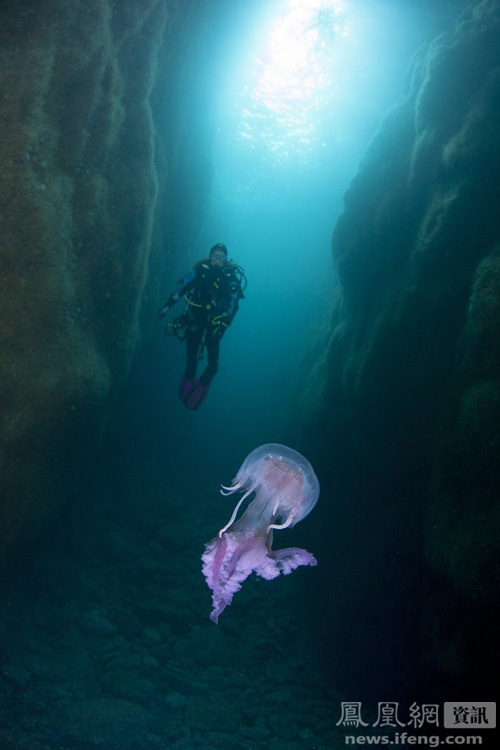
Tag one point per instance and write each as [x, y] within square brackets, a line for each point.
[230, 490]
[235, 511]
[285, 525]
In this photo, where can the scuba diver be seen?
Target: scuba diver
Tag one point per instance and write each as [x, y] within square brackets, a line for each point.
[212, 291]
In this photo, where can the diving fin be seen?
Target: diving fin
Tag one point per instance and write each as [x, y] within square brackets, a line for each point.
[196, 396]
[186, 386]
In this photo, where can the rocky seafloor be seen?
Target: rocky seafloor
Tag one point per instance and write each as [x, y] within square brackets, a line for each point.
[111, 645]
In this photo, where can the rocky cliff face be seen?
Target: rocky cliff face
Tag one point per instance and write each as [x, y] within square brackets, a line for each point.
[88, 156]
[403, 408]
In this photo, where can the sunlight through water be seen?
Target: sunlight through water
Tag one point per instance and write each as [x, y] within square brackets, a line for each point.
[294, 79]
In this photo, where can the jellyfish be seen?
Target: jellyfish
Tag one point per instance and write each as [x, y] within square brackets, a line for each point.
[286, 490]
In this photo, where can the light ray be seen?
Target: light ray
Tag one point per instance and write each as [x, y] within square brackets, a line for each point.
[294, 76]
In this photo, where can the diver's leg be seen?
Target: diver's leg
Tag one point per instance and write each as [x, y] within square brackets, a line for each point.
[193, 341]
[196, 396]
[213, 348]
[188, 381]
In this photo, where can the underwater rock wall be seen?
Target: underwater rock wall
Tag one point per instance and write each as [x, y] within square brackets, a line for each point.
[402, 411]
[81, 84]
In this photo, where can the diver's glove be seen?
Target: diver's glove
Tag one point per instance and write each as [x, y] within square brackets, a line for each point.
[166, 307]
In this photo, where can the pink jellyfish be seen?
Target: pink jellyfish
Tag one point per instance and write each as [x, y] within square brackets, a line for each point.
[286, 490]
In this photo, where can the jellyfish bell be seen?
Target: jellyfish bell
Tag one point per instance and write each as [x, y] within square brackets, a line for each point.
[284, 481]
[286, 490]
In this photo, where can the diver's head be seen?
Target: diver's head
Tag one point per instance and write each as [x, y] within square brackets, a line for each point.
[218, 254]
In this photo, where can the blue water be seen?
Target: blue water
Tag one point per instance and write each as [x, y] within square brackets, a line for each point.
[281, 166]
[119, 643]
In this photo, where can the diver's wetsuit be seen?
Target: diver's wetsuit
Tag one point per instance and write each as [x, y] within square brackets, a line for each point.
[212, 294]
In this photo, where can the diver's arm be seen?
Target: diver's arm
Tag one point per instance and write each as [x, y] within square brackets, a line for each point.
[221, 322]
[183, 286]
[232, 306]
